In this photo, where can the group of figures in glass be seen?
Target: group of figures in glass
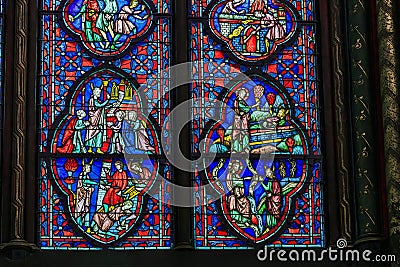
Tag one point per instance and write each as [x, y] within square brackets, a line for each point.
[108, 119]
[255, 190]
[251, 121]
[105, 194]
[115, 197]
[106, 25]
[252, 29]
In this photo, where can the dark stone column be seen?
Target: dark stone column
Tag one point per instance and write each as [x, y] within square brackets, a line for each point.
[363, 92]
[341, 200]
[18, 247]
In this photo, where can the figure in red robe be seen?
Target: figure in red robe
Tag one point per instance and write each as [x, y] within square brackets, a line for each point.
[250, 39]
[118, 182]
[258, 8]
[67, 144]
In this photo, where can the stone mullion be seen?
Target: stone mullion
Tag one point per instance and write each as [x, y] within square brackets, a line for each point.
[388, 35]
[17, 244]
[361, 80]
[339, 100]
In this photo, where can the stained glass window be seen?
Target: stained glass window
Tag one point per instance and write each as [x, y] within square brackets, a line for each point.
[105, 97]
[259, 59]
[99, 71]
